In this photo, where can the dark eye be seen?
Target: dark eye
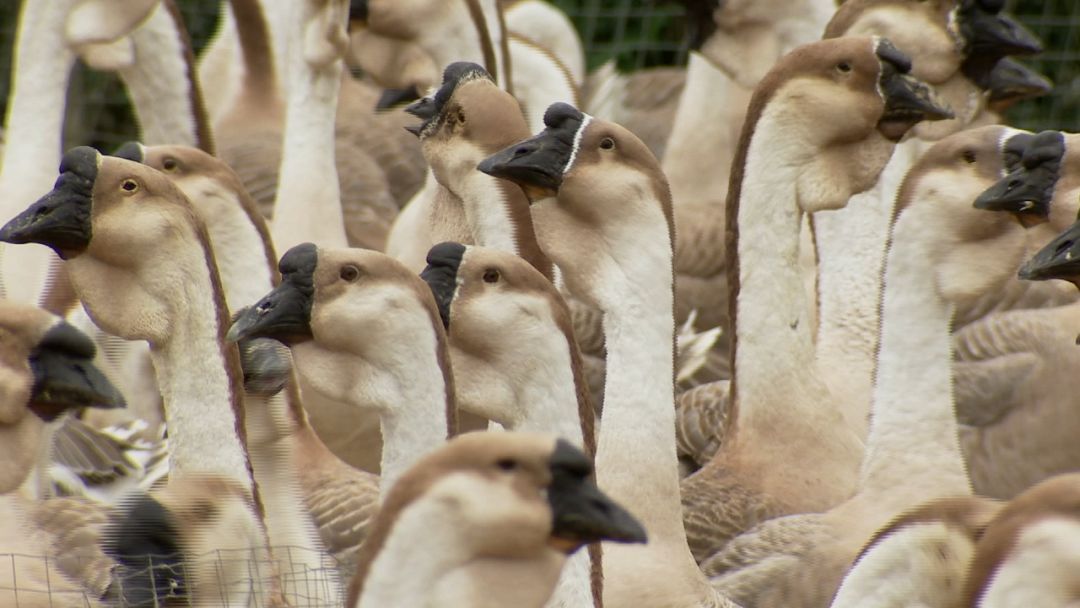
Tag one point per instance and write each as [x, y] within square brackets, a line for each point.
[506, 464]
[491, 275]
[843, 66]
[349, 273]
[969, 157]
[607, 143]
[169, 164]
[130, 185]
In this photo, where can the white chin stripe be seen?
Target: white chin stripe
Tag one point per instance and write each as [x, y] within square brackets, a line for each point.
[577, 142]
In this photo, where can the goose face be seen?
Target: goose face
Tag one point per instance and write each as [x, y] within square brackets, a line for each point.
[502, 318]
[585, 175]
[466, 120]
[1028, 189]
[345, 300]
[940, 189]
[117, 223]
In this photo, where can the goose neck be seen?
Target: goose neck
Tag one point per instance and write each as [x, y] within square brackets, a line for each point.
[913, 429]
[547, 396]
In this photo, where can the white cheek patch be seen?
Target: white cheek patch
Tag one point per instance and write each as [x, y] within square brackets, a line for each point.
[577, 142]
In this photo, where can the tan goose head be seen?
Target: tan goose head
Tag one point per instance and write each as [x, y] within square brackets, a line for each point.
[46, 368]
[507, 326]
[485, 498]
[119, 225]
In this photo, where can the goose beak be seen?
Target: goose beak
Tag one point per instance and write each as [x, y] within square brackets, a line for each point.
[61, 218]
[265, 363]
[1025, 192]
[997, 34]
[443, 261]
[908, 101]
[65, 377]
[284, 314]
[133, 151]
[393, 97]
[1059, 259]
[358, 10]
[1011, 82]
[536, 165]
[581, 513]
[424, 109]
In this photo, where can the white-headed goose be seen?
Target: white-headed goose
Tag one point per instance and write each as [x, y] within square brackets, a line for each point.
[515, 358]
[364, 330]
[602, 212]
[139, 259]
[486, 520]
[46, 368]
[1027, 555]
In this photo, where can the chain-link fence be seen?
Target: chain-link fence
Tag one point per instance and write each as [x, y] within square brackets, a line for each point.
[637, 33]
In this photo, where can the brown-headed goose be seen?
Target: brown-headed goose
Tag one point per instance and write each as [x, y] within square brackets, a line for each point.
[935, 258]
[1027, 555]
[364, 330]
[602, 212]
[486, 520]
[46, 368]
[140, 260]
[503, 317]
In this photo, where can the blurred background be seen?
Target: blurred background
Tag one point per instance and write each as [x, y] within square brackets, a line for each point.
[636, 33]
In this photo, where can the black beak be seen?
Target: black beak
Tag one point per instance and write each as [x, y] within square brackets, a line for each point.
[1028, 189]
[538, 163]
[143, 538]
[393, 97]
[443, 261]
[581, 513]
[61, 218]
[131, 150]
[284, 314]
[65, 377]
[1059, 259]
[908, 101]
[1011, 82]
[998, 35]
[424, 109]
[358, 10]
[265, 363]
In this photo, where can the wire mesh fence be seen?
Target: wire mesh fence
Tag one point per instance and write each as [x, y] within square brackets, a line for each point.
[221, 578]
[636, 33]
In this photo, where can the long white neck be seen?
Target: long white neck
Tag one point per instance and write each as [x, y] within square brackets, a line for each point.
[913, 430]
[41, 67]
[196, 388]
[457, 38]
[487, 211]
[308, 203]
[771, 308]
[851, 253]
[160, 84]
[539, 81]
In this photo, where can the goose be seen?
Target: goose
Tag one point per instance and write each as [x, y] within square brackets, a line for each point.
[46, 368]
[502, 316]
[331, 494]
[365, 331]
[1027, 554]
[545, 25]
[591, 181]
[159, 258]
[486, 520]
[935, 258]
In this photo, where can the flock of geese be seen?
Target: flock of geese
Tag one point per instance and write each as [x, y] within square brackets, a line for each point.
[778, 325]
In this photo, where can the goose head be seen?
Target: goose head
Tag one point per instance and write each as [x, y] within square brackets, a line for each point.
[467, 119]
[1010, 82]
[1029, 187]
[504, 320]
[939, 189]
[46, 368]
[496, 495]
[120, 226]
[351, 303]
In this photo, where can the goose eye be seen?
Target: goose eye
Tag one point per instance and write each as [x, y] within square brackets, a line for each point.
[607, 143]
[491, 275]
[349, 273]
[130, 186]
[169, 164]
[843, 66]
[969, 157]
[506, 464]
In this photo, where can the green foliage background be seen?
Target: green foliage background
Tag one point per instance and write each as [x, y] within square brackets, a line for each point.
[636, 33]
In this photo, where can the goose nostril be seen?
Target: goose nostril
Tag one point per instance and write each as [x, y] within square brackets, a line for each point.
[522, 151]
[42, 211]
[1062, 247]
